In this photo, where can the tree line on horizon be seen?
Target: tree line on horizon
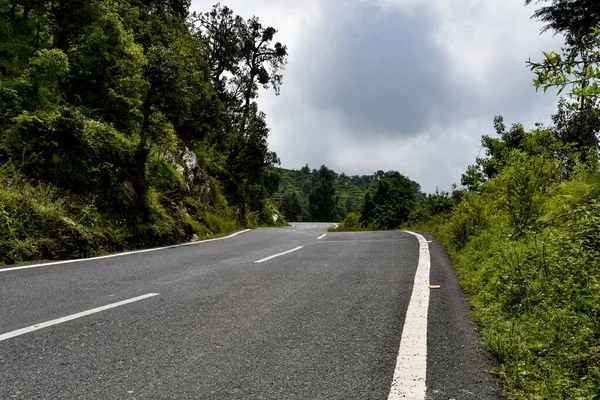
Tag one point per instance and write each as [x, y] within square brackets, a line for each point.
[384, 199]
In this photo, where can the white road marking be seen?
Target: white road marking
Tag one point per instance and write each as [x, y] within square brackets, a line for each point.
[46, 324]
[322, 236]
[119, 254]
[279, 254]
[411, 364]
[336, 225]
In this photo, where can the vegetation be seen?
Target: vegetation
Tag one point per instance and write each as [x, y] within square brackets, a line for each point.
[129, 124]
[523, 232]
[344, 193]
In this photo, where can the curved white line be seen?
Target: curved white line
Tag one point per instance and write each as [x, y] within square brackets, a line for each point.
[411, 365]
[119, 254]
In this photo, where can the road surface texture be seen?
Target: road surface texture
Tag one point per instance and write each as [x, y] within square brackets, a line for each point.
[207, 321]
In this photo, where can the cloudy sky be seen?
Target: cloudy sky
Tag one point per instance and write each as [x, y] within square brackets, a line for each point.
[405, 85]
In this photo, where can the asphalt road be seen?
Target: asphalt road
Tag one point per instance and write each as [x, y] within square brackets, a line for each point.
[322, 322]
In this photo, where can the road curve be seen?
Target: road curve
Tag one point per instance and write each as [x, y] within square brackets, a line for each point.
[278, 313]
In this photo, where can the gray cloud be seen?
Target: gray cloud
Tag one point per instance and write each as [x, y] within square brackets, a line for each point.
[380, 69]
[398, 84]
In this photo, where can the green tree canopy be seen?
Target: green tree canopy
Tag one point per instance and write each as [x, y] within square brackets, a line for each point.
[389, 202]
[321, 198]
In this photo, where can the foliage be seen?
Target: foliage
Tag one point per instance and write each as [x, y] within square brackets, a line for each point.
[116, 106]
[434, 204]
[389, 202]
[47, 68]
[525, 246]
[574, 18]
[292, 206]
[321, 198]
[574, 67]
[351, 223]
[350, 190]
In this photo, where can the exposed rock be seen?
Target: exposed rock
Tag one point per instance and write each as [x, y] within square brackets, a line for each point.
[128, 192]
[196, 179]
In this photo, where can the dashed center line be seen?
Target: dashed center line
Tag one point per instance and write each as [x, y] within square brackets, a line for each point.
[322, 236]
[71, 317]
[278, 254]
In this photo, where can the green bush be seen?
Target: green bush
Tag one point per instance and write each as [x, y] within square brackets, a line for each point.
[350, 223]
[532, 275]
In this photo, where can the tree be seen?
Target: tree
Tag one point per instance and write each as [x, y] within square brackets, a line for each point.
[107, 71]
[219, 28]
[496, 151]
[574, 18]
[389, 202]
[47, 69]
[321, 198]
[291, 205]
[577, 67]
[245, 50]
[262, 61]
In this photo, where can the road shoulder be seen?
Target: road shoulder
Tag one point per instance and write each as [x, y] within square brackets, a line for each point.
[457, 366]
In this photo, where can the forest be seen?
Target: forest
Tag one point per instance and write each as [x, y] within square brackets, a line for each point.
[131, 123]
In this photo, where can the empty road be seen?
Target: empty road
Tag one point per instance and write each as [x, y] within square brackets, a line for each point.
[281, 313]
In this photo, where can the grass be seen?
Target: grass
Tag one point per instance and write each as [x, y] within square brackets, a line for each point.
[535, 295]
[39, 221]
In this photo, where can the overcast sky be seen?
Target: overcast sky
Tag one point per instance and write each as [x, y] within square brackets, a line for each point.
[405, 85]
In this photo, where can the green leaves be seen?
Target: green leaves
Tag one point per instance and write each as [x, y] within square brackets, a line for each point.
[577, 68]
[389, 202]
[47, 68]
[321, 198]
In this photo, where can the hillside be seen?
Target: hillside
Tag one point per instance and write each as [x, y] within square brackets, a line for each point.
[349, 190]
[119, 128]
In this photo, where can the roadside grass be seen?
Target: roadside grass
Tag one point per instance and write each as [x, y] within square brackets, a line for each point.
[350, 223]
[533, 284]
[39, 221]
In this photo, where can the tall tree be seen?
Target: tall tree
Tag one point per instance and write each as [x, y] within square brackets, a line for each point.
[219, 28]
[321, 198]
[291, 205]
[261, 61]
[243, 56]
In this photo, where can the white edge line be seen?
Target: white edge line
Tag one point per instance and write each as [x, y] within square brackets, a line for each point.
[71, 317]
[120, 254]
[278, 254]
[410, 374]
[322, 236]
